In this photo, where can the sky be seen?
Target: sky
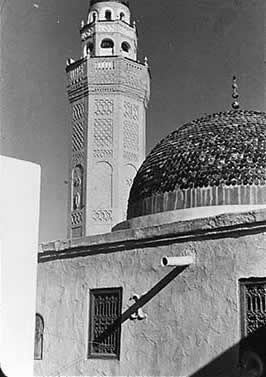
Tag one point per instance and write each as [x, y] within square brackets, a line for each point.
[194, 48]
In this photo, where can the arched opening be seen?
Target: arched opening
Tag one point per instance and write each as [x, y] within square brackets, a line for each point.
[38, 342]
[77, 190]
[93, 16]
[122, 16]
[108, 15]
[89, 48]
[107, 43]
[125, 46]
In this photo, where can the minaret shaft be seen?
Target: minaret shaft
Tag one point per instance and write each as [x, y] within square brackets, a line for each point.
[108, 91]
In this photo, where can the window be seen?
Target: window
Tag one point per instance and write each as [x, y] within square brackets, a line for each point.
[108, 15]
[125, 46]
[93, 16]
[253, 315]
[38, 343]
[104, 325]
[107, 43]
[77, 189]
[89, 48]
[122, 16]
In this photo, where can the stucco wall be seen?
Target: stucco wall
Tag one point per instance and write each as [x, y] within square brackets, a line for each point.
[193, 322]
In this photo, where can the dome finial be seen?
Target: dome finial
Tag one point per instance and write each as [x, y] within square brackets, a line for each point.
[235, 94]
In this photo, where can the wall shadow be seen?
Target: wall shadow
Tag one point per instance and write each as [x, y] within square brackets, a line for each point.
[140, 303]
[225, 364]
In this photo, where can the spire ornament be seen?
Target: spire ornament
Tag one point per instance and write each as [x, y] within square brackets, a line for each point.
[235, 94]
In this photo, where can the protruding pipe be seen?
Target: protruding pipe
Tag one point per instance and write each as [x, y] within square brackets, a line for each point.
[176, 261]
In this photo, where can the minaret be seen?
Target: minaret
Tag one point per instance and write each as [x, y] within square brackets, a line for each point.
[108, 89]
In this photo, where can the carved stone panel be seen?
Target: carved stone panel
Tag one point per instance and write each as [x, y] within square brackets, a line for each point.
[131, 137]
[131, 131]
[103, 216]
[104, 106]
[103, 138]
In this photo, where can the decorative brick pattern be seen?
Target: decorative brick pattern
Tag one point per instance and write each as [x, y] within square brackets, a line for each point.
[220, 150]
[78, 158]
[131, 111]
[103, 134]
[131, 136]
[76, 218]
[78, 137]
[78, 111]
[102, 215]
[130, 156]
[103, 154]
[104, 107]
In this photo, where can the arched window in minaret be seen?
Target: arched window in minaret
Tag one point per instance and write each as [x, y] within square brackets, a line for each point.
[122, 16]
[108, 15]
[89, 48]
[107, 43]
[93, 17]
[125, 46]
[77, 180]
[38, 342]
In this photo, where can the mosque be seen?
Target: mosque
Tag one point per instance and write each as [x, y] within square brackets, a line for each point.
[164, 269]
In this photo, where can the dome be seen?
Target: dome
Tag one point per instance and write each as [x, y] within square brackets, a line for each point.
[219, 159]
[125, 2]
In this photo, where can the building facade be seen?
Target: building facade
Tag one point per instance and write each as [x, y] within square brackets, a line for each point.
[108, 89]
[177, 286]
[178, 289]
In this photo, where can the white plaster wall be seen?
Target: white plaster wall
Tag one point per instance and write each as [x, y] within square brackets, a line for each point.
[20, 195]
[193, 323]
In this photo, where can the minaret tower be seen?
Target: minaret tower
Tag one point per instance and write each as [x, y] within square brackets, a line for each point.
[108, 89]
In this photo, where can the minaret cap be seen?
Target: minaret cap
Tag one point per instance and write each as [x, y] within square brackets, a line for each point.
[235, 94]
[125, 2]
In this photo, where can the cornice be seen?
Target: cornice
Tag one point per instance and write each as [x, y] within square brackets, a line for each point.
[221, 226]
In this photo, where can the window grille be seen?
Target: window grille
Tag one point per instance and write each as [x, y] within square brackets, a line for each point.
[104, 326]
[38, 343]
[253, 314]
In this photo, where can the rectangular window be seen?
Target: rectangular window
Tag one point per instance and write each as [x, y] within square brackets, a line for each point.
[253, 313]
[104, 325]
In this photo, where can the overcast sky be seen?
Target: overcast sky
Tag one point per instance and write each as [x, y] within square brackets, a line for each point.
[194, 47]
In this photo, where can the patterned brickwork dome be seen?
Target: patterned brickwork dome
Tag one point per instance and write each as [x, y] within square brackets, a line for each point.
[125, 2]
[215, 160]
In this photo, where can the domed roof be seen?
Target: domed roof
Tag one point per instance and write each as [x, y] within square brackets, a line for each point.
[125, 2]
[223, 150]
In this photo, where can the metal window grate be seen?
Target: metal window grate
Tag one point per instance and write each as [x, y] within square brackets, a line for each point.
[253, 315]
[104, 326]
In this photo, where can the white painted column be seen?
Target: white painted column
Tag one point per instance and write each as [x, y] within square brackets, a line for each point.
[19, 227]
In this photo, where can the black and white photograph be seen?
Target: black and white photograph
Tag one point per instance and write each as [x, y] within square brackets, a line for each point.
[133, 188]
